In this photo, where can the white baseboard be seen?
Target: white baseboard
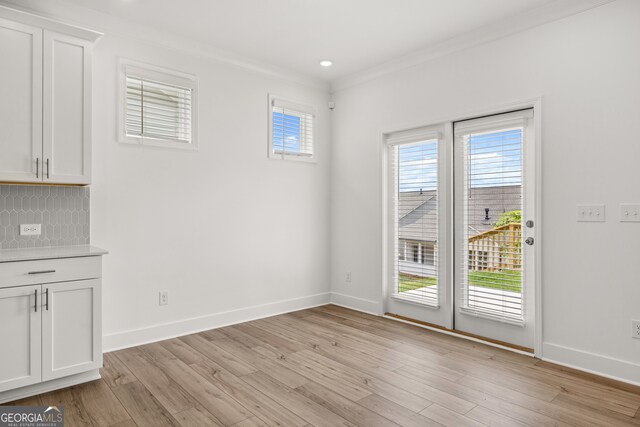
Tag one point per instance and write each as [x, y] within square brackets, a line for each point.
[355, 303]
[134, 337]
[604, 366]
[39, 388]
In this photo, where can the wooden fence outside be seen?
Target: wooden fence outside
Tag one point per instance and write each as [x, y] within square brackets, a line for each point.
[497, 249]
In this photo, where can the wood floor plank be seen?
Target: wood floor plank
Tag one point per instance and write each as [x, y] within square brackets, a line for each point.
[144, 408]
[446, 417]
[172, 396]
[265, 408]
[399, 414]
[283, 374]
[491, 418]
[196, 417]
[251, 422]
[213, 399]
[336, 347]
[75, 413]
[114, 372]
[330, 366]
[344, 407]
[313, 373]
[214, 352]
[395, 394]
[597, 412]
[183, 351]
[27, 401]
[281, 344]
[126, 423]
[101, 404]
[302, 406]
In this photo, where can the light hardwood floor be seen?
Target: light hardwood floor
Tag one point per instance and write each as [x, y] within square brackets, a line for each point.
[330, 366]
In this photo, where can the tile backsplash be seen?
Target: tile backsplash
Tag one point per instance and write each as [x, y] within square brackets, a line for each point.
[62, 211]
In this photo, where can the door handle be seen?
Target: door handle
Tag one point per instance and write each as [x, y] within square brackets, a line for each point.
[47, 302]
[529, 241]
[37, 167]
[529, 224]
[47, 168]
[35, 306]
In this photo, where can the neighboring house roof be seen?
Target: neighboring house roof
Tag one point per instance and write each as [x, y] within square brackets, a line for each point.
[418, 218]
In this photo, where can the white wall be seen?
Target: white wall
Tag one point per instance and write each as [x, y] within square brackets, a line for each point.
[586, 68]
[223, 228]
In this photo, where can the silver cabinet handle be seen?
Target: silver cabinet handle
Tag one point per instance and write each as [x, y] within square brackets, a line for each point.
[47, 168]
[35, 306]
[47, 302]
[42, 272]
[37, 167]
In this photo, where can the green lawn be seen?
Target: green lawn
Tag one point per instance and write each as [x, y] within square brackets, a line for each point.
[508, 280]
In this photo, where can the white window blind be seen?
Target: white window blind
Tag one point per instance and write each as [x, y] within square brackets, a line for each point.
[158, 110]
[158, 106]
[292, 130]
[492, 207]
[414, 171]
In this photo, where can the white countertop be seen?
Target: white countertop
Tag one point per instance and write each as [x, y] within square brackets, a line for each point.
[28, 254]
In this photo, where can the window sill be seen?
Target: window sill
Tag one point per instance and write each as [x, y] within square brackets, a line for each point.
[150, 142]
[290, 158]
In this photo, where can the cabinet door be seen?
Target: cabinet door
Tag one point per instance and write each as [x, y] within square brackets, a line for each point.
[20, 102]
[71, 328]
[67, 109]
[19, 337]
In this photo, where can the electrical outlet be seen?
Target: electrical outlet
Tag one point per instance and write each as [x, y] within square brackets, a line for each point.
[591, 213]
[163, 298]
[629, 212]
[30, 229]
[347, 277]
[635, 329]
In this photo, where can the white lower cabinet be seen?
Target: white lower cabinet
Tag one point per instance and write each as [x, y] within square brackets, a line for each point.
[48, 331]
[71, 338]
[20, 337]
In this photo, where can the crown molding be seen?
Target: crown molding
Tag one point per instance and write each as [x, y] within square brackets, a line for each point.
[47, 23]
[61, 11]
[550, 12]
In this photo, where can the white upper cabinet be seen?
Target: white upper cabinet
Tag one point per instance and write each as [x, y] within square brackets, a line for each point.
[45, 100]
[20, 102]
[67, 109]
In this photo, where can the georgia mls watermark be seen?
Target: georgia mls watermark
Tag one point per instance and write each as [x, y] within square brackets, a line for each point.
[31, 416]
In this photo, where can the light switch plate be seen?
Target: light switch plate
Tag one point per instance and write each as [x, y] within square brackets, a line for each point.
[591, 213]
[30, 229]
[629, 212]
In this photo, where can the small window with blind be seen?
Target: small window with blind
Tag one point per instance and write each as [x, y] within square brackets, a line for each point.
[291, 130]
[157, 106]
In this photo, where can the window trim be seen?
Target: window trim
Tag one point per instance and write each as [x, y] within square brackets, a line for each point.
[298, 108]
[160, 75]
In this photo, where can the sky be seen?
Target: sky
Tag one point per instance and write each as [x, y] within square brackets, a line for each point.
[494, 159]
[286, 132]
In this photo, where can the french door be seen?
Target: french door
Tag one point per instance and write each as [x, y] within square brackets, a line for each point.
[461, 226]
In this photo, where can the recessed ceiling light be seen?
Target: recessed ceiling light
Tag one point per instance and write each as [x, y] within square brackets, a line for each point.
[326, 63]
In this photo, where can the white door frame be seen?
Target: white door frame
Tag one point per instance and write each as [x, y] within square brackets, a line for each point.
[387, 264]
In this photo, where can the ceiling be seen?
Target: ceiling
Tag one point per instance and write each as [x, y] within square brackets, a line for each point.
[297, 34]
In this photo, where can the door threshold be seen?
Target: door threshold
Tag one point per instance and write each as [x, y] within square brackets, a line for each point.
[466, 335]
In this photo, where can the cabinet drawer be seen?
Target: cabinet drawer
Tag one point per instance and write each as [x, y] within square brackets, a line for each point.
[49, 271]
